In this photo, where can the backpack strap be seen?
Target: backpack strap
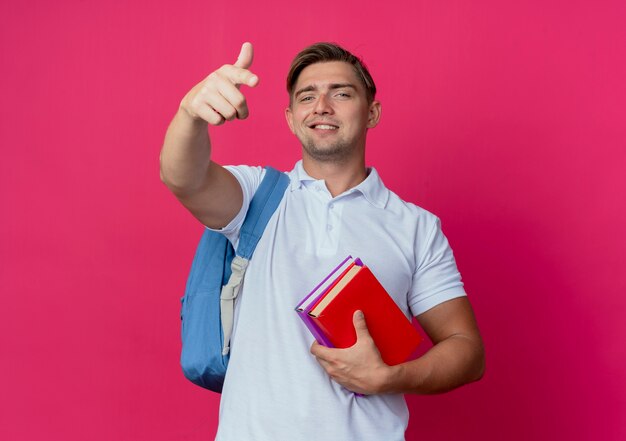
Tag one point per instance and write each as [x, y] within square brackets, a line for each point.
[262, 207]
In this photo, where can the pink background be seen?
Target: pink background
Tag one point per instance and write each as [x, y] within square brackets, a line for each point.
[506, 119]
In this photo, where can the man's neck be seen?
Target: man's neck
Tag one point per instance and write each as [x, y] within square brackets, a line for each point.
[339, 176]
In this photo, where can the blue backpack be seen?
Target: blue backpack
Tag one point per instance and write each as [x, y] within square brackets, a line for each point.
[213, 284]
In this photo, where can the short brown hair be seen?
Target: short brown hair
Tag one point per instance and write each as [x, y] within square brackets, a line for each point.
[325, 52]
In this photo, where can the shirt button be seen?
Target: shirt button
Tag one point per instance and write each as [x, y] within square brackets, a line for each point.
[331, 206]
[329, 227]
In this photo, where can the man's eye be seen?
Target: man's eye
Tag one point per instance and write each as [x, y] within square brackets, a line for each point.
[306, 98]
[343, 95]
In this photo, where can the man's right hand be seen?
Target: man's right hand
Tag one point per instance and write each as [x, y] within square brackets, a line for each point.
[217, 98]
[209, 191]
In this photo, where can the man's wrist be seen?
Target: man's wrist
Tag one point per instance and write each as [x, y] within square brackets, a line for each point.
[189, 118]
[387, 379]
[406, 377]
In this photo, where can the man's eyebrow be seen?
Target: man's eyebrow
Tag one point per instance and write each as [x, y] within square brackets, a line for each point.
[331, 86]
[305, 89]
[341, 86]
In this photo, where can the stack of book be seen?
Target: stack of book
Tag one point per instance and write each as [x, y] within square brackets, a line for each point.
[327, 312]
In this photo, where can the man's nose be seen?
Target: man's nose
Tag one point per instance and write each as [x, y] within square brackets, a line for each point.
[322, 106]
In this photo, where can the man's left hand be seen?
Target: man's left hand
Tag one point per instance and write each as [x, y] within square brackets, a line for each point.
[358, 368]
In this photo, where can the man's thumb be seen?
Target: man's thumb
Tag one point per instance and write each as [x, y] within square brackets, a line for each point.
[359, 324]
[244, 60]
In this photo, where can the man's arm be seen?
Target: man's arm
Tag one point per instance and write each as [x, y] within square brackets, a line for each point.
[456, 358]
[205, 188]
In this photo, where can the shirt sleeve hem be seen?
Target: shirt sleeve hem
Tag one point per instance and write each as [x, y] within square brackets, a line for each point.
[433, 300]
[237, 221]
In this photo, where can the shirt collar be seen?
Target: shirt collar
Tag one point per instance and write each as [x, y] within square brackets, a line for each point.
[372, 188]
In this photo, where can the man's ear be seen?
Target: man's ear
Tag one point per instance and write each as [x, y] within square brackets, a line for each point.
[289, 118]
[374, 114]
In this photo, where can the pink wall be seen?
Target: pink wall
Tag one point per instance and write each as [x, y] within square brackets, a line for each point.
[505, 118]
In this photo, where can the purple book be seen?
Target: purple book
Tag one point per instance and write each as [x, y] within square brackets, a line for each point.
[311, 299]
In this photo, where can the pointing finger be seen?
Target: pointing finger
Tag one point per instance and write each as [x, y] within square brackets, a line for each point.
[238, 75]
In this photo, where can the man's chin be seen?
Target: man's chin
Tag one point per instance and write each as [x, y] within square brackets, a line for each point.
[327, 153]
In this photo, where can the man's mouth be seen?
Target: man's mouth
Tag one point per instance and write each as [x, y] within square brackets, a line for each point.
[323, 126]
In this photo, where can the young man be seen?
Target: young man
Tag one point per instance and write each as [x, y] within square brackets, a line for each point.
[280, 384]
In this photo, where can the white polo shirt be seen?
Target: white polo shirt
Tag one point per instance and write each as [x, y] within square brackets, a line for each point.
[274, 388]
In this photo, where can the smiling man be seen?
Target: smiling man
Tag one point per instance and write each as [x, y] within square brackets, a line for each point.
[330, 111]
[280, 384]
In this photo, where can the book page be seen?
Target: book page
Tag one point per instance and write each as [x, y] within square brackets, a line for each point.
[313, 296]
[319, 308]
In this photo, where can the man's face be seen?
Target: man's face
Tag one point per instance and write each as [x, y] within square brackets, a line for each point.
[329, 112]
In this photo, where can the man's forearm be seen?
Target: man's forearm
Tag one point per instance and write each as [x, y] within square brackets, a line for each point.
[451, 363]
[454, 360]
[186, 153]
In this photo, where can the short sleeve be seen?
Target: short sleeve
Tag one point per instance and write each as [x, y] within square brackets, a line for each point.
[436, 278]
[249, 179]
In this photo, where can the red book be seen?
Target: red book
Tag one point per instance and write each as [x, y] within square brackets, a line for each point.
[358, 289]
